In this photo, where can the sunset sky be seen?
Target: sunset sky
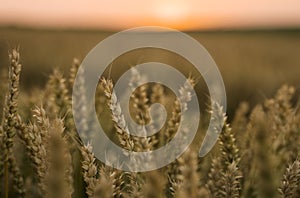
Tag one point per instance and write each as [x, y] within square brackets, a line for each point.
[179, 14]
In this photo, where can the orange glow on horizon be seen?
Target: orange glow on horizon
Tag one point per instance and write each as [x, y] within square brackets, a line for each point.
[176, 14]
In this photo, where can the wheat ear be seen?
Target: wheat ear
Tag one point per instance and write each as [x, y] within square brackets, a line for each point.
[123, 135]
[9, 123]
[230, 181]
[281, 117]
[104, 187]
[225, 176]
[90, 170]
[73, 72]
[140, 98]
[141, 109]
[58, 181]
[188, 177]
[157, 96]
[291, 180]
[214, 178]
[35, 138]
[265, 185]
[181, 104]
[117, 115]
[154, 180]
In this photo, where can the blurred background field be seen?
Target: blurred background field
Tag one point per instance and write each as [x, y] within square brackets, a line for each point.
[253, 63]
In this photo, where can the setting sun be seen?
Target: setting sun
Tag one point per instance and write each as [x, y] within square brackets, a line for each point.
[172, 13]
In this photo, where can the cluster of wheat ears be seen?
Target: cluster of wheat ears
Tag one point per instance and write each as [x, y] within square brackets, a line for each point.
[257, 155]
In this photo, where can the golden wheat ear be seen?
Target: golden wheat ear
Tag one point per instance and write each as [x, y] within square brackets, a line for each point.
[124, 138]
[73, 72]
[139, 97]
[117, 115]
[180, 104]
[59, 178]
[9, 123]
[225, 175]
[90, 169]
[154, 180]
[189, 177]
[57, 101]
[266, 180]
[140, 108]
[104, 187]
[35, 137]
[291, 180]
[281, 117]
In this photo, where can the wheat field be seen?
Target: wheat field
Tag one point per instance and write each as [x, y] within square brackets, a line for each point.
[253, 64]
[257, 154]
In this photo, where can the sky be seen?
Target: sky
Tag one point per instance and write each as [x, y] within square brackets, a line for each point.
[178, 14]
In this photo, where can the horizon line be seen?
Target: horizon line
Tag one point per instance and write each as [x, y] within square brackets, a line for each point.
[208, 29]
